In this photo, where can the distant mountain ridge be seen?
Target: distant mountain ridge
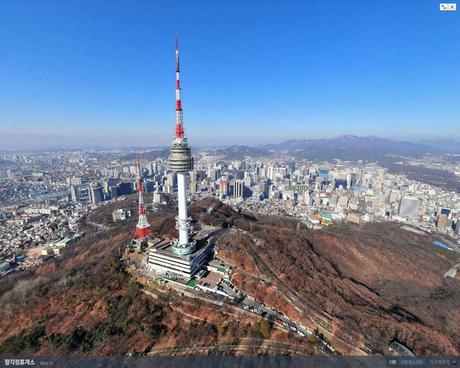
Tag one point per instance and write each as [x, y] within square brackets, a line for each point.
[239, 152]
[344, 147]
[351, 140]
[149, 155]
[351, 148]
[449, 145]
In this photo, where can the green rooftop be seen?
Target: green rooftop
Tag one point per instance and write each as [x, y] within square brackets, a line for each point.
[4, 265]
[192, 283]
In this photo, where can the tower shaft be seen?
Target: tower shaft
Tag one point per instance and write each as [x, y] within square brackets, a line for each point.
[182, 219]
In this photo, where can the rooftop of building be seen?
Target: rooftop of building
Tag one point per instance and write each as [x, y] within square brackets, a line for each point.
[165, 247]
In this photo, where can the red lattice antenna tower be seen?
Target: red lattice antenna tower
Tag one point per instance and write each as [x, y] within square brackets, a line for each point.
[143, 228]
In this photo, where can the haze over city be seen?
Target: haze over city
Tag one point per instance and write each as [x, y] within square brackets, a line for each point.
[82, 73]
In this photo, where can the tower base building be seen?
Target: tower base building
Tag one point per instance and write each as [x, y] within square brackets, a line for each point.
[166, 262]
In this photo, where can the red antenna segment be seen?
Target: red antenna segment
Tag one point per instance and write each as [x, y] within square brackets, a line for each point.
[179, 121]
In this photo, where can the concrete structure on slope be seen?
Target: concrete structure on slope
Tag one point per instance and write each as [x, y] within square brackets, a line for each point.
[164, 260]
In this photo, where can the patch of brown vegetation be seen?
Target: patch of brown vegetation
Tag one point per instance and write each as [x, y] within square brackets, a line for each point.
[85, 303]
[363, 286]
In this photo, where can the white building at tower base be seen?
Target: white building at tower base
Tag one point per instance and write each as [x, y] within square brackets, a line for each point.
[166, 262]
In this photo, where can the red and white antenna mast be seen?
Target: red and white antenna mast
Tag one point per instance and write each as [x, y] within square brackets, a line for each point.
[143, 228]
[179, 121]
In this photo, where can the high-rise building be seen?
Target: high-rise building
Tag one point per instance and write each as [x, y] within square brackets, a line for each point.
[441, 221]
[307, 198]
[96, 194]
[247, 179]
[213, 174]
[74, 193]
[157, 196]
[238, 189]
[324, 174]
[223, 186]
[351, 180]
[110, 188]
[338, 182]
[457, 227]
[445, 211]
[193, 176]
[74, 181]
[125, 188]
[265, 187]
[154, 168]
[113, 191]
[409, 206]
[270, 172]
[318, 183]
[193, 187]
[171, 180]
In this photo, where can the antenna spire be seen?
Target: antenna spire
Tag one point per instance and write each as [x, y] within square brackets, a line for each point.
[179, 122]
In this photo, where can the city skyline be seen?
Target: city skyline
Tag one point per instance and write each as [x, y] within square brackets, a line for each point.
[74, 79]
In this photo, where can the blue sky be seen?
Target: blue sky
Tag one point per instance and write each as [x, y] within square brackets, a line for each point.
[76, 73]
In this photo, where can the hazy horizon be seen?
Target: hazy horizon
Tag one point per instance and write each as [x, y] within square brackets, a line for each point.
[110, 145]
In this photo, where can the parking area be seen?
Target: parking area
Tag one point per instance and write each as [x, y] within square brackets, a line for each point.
[230, 289]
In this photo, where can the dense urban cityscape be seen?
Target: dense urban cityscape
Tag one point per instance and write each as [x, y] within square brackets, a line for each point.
[45, 195]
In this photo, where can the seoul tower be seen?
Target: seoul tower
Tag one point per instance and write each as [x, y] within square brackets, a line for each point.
[143, 228]
[181, 162]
